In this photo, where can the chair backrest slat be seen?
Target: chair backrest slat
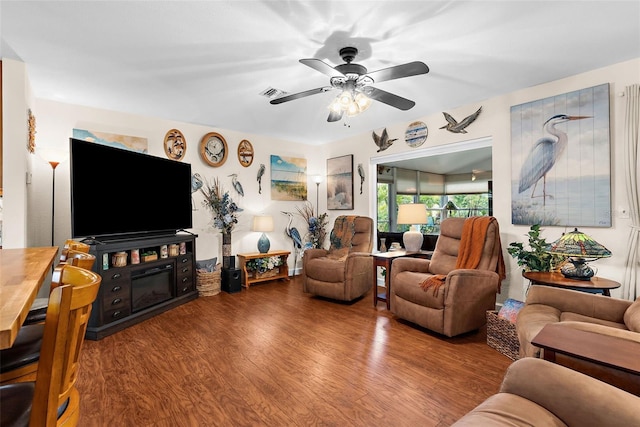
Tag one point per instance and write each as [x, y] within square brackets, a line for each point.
[64, 329]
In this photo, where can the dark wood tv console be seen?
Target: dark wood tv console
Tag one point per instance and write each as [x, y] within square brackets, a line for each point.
[133, 292]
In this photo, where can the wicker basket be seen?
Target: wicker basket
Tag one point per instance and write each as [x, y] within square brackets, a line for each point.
[208, 283]
[269, 273]
[501, 335]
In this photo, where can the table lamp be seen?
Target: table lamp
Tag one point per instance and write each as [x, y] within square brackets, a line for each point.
[579, 248]
[263, 223]
[412, 213]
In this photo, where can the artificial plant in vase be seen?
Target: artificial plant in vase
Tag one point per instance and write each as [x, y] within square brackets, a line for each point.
[536, 258]
[225, 215]
[317, 232]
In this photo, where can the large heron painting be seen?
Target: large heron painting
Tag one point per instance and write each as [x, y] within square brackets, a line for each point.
[561, 160]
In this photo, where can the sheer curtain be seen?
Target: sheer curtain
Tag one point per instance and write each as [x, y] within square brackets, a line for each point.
[631, 281]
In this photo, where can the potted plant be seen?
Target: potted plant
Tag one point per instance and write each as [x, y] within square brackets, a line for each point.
[536, 257]
[264, 267]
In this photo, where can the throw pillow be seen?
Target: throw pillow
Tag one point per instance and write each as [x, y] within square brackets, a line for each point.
[632, 316]
[208, 265]
[510, 309]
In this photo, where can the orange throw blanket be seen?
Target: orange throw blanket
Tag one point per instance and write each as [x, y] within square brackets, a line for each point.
[474, 233]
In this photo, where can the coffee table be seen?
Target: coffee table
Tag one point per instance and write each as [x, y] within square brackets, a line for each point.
[597, 284]
[384, 259]
[616, 353]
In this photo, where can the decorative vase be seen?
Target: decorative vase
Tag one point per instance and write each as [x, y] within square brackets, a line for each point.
[226, 250]
[383, 244]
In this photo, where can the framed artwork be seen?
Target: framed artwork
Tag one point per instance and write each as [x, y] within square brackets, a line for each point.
[132, 143]
[560, 172]
[245, 153]
[340, 182]
[213, 149]
[288, 178]
[175, 146]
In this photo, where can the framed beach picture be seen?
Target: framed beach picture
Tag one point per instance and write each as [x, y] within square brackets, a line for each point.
[340, 182]
[288, 178]
[132, 143]
[560, 172]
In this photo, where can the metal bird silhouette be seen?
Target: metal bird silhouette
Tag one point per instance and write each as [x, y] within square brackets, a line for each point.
[361, 173]
[236, 184]
[383, 142]
[295, 237]
[259, 178]
[543, 155]
[455, 127]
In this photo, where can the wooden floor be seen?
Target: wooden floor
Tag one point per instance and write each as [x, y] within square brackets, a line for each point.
[274, 356]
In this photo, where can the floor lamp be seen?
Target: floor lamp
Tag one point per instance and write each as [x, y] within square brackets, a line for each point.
[317, 179]
[54, 165]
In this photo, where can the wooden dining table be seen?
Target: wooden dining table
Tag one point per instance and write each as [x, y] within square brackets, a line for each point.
[22, 272]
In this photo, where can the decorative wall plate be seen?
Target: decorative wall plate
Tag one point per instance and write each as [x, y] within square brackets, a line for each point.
[31, 143]
[213, 149]
[245, 153]
[175, 146]
[416, 134]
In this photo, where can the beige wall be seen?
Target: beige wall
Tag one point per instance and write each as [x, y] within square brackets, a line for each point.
[55, 122]
[494, 124]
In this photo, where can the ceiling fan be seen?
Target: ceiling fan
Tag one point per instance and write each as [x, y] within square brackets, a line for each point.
[356, 84]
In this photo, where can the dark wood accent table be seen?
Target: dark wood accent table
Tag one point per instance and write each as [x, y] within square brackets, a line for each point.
[605, 350]
[559, 281]
[384, 259]
[23, 272]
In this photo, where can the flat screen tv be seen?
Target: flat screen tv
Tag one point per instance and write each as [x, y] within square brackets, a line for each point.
[117, 193]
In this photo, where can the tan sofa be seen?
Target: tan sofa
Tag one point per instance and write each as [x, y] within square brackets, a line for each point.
[535, 392]
[585, 311]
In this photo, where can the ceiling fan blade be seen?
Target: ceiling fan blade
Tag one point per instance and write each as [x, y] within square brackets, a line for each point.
[321, 66]
[399, 71]
[300, 95]
[389, 98]
[333, 116]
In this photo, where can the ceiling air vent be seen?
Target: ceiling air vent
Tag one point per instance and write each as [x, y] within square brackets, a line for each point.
[272, 93]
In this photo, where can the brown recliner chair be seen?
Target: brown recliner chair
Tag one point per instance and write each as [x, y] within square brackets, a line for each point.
[460, 304]
[345, 271]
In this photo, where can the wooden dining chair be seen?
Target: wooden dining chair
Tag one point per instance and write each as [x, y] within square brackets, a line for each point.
[20, 361]
[53, 400]
[85, 260]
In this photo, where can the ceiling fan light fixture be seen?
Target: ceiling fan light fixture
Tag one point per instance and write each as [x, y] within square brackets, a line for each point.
[363, 101]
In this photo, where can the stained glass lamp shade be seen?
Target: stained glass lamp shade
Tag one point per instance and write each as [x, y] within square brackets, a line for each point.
[579, 248]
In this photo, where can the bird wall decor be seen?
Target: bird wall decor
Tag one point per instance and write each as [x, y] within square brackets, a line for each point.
[295, 237]
[361, 173]
[196, 183]
[261, 170]
[383, 142]
[543, 155]
[455, 127]
[236, 184]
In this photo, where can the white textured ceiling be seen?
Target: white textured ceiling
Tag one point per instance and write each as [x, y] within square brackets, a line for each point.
[206, 62]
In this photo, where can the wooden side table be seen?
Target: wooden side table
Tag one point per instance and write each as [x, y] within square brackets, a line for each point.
[250, 277]
[384, 259]
[557, 280]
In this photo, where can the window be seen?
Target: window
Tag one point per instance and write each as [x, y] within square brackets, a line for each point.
[400, 186]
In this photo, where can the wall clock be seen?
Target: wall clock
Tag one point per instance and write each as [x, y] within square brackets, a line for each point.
[213, 149]
[175, 146]
[245, 153]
